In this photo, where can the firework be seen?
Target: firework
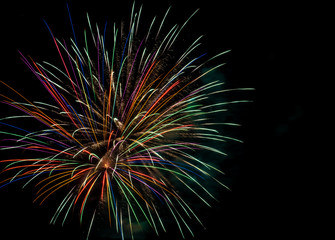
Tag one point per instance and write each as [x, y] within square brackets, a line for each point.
[120, 133]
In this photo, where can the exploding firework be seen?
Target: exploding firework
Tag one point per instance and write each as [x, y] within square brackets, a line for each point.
[120, 132]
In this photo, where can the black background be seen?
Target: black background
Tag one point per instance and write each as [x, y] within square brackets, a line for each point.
[268, 178]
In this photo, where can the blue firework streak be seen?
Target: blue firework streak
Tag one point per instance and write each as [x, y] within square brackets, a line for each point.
[123, 128]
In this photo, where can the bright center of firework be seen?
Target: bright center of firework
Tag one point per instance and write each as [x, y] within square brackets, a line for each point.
[106, 162]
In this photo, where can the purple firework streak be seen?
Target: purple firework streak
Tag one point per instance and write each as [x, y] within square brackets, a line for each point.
[123, 127]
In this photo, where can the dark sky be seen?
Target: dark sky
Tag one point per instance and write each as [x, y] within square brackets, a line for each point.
[266, 41]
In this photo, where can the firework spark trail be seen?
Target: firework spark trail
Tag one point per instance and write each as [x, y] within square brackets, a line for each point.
[122, 131]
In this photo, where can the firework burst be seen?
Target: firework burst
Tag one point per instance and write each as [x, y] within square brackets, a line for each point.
[122, 129]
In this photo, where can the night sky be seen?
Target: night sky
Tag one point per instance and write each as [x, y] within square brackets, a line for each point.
[265, 201]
